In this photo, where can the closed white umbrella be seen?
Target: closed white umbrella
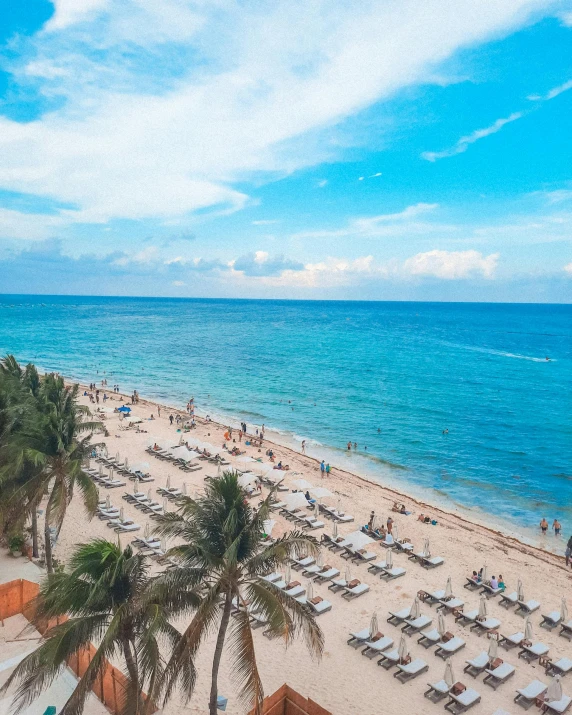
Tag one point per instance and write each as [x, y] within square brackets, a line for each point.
[135, 486]
[348, 574]
[146, 531]
[415, 609]
[483, 608]
[218, 470]
[402, 649]
[108, 502]
[121, 514]
[395, 532]
[101, 470]
[441, 625]
[309, 591]
[168, 482]
[448, 588]
[373, 625]
[111, 474]
[426, 553]
[185, 488]
[493, 648]
[528, 633]
[564, 611]
[320, 559]
[520, 590]
[268, 525]
[164, 506]
[389, 559]
[164, 545]
[449, 676]
[117, 458]
[126, 463]
[335, 530]
[554, 690]
[149, 495]
[484, 573]
[287, 574]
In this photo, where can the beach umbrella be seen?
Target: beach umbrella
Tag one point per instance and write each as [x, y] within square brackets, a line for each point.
[218, 470]
[111, 474]
[287, 574]
[320, 492]
[268, 525]
[146, 532]
[528, 634]
[121, 514]
[426, 552]
[101, 470]
[335, 530]
[520, 590]
[359, 540]
[389, 559]
[493, 648]
[484, 573]
[164, 545]
[169, 482]
[126, 463]
[295, 500]
[564, 611]
[181, 441]
[108, 502]
[339, 506]
[373, 625]
[483, 608]
[395, 532]
[320, 559]
[348, 574]
[135, 486]
[415, 609]
[402, 650]
[441, 625]
[119, 541]
[309, 591]
[149, 495]
[448, 589]
[449, 676]
[164, 506]
[302, 484]
[554, 690]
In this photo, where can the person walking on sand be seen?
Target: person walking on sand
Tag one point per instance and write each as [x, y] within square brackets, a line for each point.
[389, 524]
[544, 525]
[557, 526]
[328, 469]
[171, 419]
[322, 468]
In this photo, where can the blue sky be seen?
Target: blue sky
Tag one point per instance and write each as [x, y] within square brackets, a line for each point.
[380, 150]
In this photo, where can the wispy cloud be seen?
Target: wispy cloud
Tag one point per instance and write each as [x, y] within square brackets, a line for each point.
[265, 222]
[465, 142]
[452, 265]
[373, 176]
[554, 92]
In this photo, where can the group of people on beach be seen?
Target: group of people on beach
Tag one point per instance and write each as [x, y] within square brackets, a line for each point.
[556, 525]
[494, 582]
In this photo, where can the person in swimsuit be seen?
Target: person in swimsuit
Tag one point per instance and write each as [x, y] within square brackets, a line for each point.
[557, 526]
[544, 525]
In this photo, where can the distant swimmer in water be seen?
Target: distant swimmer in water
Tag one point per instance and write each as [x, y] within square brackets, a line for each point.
[445, 431]
[548, 358]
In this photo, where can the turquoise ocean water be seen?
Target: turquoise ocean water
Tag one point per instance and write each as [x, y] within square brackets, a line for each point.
[331, 372]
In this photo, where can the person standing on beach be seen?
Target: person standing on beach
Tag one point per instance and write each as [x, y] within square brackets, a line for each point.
[171, 419]
[240, 435]
[303, 446]
[158, 411]
[557, 526]
[349, 446]
[328, 469]
[544, 525]
[322, 468]
[389, 524]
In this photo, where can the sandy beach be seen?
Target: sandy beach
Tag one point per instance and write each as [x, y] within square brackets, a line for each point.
[344, 681]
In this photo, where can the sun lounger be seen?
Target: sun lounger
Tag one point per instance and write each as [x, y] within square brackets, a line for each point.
[526, 697]
[429, 638]
[127, 527]
[256, 620]
[410, 670]
[432, 562]
[118, 522]
[489, 624]
[338, 585]
[559, 706]
[364, 557]
[319, 607]
[277, 505]
[464, 618]
[490, 591]
[453, 604]
[477, 665]
[499, 675]
[377, 567]
[389, 659]
[344, 518]
[339, 545]
[431, 597]
[446, 648]
[395, 572]
[397, 617]
[303, 563]
[327, 575]
[472, 584]
[272, 577]
[295, 591]
[566, 630]
[462, 702]
[373, 648]
[355, 592]
[417, 624]
[311, 570]
[313, 525]
[508, 642]
[359, 638]
[532, 652]
[527, 607]
[404, 546]
[388, 542]
[550, 620]
[559, 667]
[437, 691]
[509, 599]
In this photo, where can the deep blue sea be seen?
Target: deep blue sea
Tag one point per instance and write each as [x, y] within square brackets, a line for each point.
[389, 376]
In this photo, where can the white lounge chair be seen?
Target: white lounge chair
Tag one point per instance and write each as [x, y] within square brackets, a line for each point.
[127, 527]
[551, 620]
[377, 567]
[373, 648]
[295, 591]
[338, 585]
[462, 702]
[509, 599]
[437, 691]
[303, 563]
[416, 624]
[432, 597]
[453, 604]
[466, 618]
[527, 607]
[508, 642]
[359, 638]
[397, 617]
[446, 648]
[526, 697]
[432, 562]
[566, 630]
[394, 572]
[429, 638]
[499, 675]
[558, 706]
[327, 575]
[486, 625]
[563, 666]
[355, 591]
[272, 577]
[475, 666]
[389, 658]
[319, 607]
[532, 652]
[411, 670]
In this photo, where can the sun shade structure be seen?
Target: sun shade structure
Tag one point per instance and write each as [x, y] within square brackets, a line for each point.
[302, 484]
[295, 500]
[358, 539]
[320, 492]
[124, 408]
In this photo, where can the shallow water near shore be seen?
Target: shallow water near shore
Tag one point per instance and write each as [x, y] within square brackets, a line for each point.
[389, 376]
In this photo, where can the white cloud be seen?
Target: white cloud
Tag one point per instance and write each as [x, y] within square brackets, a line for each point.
[465, 142]
[30, 226]
[554, 92]
[264, 80]
[566, 19]
[568, 268]
[452, 265]
[322, 183]
[264, 222]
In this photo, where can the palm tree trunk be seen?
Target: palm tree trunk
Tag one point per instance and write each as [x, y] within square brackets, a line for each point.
[133, 675]
[48, 542]
[218, 652]
[35, 532]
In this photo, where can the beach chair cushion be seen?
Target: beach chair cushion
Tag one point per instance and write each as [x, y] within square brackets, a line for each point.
[399, 616]
[451, 646]
[467, 698]
[329, 574]
[498, 675]
[356, 591]
[532, 691]
[418, 623]
[394, 572]
[559, 706]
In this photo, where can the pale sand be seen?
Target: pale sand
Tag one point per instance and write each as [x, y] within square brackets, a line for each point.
[344, 681]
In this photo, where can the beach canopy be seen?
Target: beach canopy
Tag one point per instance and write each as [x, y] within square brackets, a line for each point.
[449, 676]
[295, 500]
[268, 525]
[358, 539]
[248, 478]
[139, 466]
[124, 408]
[320, 492]
[302, 484]
[373, 625]
[554, 690]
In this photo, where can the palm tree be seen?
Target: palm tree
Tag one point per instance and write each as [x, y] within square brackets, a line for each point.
[222, 560]
[111, 600]
[55, 441]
